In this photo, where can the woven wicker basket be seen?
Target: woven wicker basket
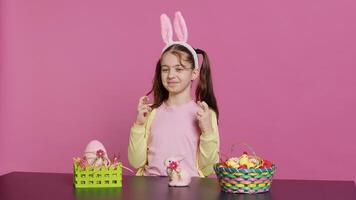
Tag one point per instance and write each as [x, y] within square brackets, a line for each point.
[249, 181]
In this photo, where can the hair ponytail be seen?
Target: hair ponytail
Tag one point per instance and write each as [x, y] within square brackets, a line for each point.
[204, 91]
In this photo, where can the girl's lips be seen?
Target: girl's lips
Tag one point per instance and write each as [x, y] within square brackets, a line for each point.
[172, 84]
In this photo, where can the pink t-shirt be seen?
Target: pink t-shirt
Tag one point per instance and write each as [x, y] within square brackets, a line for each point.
[174, 131]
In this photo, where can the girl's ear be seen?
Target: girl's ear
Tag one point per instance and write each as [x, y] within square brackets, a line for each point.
[166, 29]
[195, 74]
[180, 27]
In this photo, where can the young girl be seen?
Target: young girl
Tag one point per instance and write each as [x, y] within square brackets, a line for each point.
[175, 124]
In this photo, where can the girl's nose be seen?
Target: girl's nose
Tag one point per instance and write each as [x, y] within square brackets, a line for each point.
[170, 74]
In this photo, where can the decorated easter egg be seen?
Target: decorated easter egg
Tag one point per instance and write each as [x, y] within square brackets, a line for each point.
[244, 159]
[253, 163]
[232, 162]
[96, 154]
[267, 164]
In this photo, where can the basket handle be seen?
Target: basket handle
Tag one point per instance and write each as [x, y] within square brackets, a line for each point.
[245, 144]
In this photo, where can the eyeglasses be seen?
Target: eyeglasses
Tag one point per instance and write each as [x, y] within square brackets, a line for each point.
[177, 69]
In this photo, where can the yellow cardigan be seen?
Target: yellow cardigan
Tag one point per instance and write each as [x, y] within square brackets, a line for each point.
[207, 152]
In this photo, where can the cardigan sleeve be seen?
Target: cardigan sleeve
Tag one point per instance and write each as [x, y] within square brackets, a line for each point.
[137, 149]
[208, 152]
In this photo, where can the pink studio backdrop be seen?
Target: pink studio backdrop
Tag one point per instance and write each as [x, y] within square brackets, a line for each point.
[283, 71]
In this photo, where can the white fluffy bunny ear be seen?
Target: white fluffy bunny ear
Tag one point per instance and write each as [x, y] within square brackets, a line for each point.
[166, 29]
[180, 27]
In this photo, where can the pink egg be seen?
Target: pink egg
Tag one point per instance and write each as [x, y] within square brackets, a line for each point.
[91, 150]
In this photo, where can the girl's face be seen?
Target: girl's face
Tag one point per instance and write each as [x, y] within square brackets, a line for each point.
[176, 77]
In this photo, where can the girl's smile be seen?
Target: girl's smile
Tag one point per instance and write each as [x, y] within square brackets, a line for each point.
[172, 82]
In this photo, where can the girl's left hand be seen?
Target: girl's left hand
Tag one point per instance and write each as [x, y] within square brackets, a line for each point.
[204, 117]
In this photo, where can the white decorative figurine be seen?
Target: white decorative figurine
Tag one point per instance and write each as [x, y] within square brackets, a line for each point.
[177, 176]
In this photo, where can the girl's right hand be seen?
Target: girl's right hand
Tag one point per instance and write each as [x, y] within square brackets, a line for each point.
[143, 109]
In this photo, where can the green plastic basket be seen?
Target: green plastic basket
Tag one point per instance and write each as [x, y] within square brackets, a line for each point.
[249, 181]
[97, 177]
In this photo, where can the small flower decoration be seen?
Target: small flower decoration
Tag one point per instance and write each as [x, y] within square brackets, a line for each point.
[81, 162]
[115, 159]
[100, 153]
[173, 165]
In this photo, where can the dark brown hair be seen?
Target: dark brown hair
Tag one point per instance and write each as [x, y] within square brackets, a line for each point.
[204, 90]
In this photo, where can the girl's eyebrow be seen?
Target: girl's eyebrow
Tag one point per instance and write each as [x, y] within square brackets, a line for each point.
[177, 65]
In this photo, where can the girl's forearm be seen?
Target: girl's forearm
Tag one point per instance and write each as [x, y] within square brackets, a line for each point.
[137, 150]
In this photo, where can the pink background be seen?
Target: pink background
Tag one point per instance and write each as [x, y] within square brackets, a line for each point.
[72, 71]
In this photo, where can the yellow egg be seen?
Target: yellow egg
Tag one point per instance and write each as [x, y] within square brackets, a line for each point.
[233, 162]
[251, 165]
[243, 160]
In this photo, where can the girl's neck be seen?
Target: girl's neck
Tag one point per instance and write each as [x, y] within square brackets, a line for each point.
[176, 100]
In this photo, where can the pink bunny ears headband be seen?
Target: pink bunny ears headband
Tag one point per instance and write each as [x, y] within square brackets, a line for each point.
[181, 32]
